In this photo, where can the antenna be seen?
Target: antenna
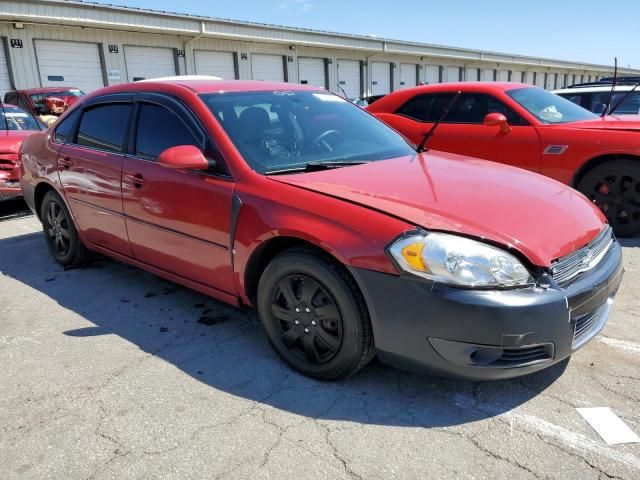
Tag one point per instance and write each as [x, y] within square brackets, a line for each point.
[613, 87]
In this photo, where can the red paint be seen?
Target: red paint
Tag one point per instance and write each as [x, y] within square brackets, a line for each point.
[523, 146]
[10, 141]
[185, 157]
[177, 223]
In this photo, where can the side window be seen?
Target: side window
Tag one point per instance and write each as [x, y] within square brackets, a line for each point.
[23, 104]
[10, 98]
[468, 108]
[473, 107]
[424, 108]
[630, 104]
[104, 127]
[158, 129]
[65, 129]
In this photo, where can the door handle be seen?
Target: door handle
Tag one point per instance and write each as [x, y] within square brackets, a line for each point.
[65, 162]
[137, 180]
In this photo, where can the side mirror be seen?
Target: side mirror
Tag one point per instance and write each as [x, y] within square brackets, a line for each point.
[497, 119]
[188, 157]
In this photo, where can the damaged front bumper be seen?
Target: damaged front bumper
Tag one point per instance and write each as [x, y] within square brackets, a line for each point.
[487, 334]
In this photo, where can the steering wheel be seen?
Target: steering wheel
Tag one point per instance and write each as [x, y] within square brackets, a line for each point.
[321, 140]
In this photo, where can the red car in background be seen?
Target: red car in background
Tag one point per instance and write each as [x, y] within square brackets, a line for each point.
[34, 100]
[528, 127]
[15, 126]
[348, 243]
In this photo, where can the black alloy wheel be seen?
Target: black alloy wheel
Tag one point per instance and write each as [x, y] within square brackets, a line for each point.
[61, 235]
[307, 318]
[615, 188]
[314, 315]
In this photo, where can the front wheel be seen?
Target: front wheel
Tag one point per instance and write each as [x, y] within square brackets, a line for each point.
[615, 188]
[314, 315]
[61, 235]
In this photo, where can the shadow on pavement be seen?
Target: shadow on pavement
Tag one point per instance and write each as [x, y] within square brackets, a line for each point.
[13, 208]
[226, 349]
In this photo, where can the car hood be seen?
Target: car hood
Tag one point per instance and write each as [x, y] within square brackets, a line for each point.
[609, 122]
[541, 218]
[10, 140]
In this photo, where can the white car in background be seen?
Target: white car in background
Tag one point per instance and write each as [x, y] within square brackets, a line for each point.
[594, 96]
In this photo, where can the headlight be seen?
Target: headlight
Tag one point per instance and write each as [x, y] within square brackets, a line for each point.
[459, 261]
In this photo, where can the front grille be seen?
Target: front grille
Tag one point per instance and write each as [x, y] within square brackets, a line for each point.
[568, 268]
[6, 165]
[589, 324]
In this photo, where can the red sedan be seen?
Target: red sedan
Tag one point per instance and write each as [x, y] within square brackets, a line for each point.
[528, 127]
[347, 242]
[15, 126]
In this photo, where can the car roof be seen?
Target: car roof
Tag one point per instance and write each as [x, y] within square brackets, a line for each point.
[486, 86]
[592, 89]
[206, 86]
[30, 91]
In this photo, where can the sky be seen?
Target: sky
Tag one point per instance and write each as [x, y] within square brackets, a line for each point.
[576, 30]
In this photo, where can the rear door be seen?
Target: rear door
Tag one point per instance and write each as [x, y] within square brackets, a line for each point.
[90, 165]
[462, 131]
[177, 220]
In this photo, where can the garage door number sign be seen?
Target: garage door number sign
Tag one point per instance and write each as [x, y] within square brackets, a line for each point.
[16, 43]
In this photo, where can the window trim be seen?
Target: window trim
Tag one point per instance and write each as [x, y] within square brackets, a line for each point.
[396, 112]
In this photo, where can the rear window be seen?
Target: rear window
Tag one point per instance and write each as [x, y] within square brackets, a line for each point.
[104, 126]
[14, 118]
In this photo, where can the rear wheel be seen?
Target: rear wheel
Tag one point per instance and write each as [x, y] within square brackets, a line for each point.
[615, 188]
[61, 235]
[314, 315]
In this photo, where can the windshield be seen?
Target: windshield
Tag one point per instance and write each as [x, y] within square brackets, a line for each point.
[37, 98]
[549, 107]
[13, 118]
[280, 130]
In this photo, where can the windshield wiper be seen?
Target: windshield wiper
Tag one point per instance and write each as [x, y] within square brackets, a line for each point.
[423, 144]
[313, 166]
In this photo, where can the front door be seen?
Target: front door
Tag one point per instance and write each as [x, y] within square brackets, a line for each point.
[177, 220]
[90, 165]
[462, 130]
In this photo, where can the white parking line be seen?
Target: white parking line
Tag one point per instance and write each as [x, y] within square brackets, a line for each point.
[623, 344]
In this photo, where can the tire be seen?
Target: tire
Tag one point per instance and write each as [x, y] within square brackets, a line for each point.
[60, 232]
[615, 188]
[330, 336]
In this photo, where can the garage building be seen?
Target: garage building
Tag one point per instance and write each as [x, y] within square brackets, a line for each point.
[88, 46]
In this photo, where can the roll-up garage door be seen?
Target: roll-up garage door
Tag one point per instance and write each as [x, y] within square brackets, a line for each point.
[472, 74]
[311, 71]
[503, 75]
[486, 75]
[540, 79]
[5, 83]
[380, 78]
[432, 74]
[453, 74]
[219, 64]
[69, 64]
[349, 78]
[267, 67]
[528, 78]
[516, 76]
[149, 62]
[408, 75]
